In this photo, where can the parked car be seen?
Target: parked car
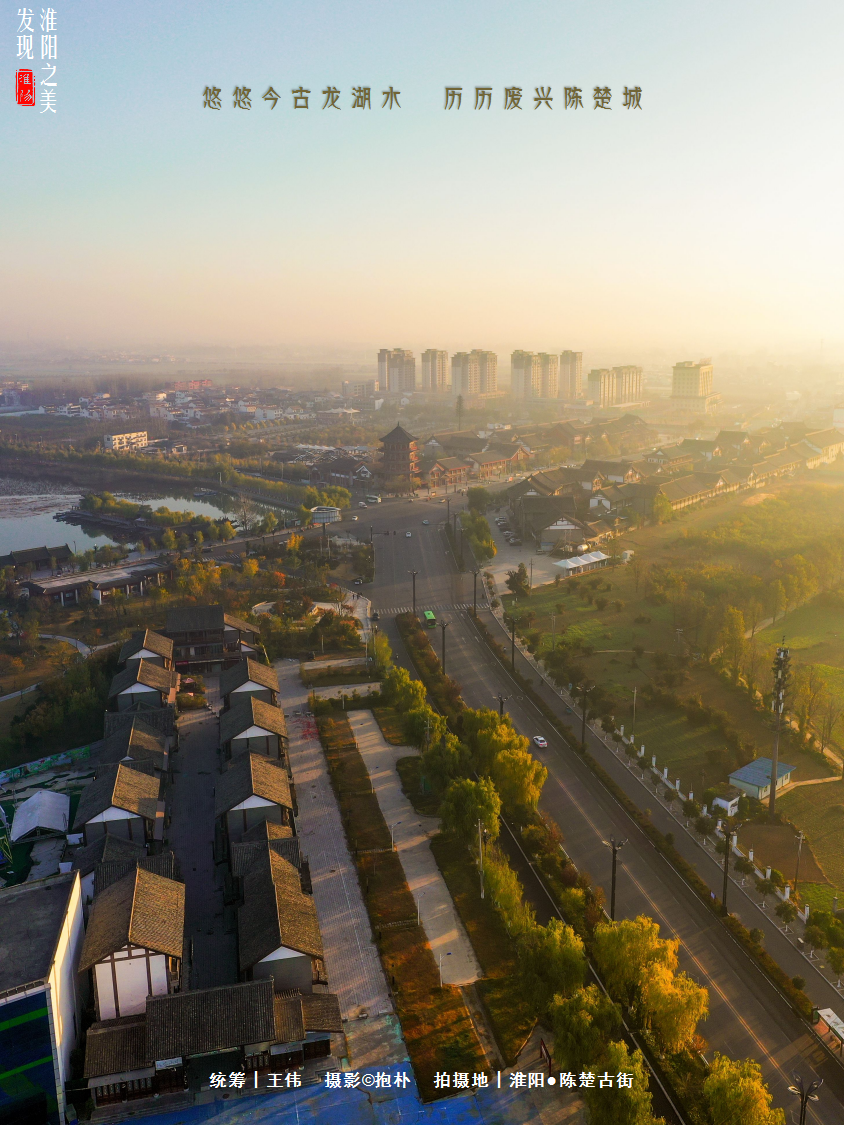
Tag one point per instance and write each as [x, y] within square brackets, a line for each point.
[354, 517]
[358, 582]
[376, 617]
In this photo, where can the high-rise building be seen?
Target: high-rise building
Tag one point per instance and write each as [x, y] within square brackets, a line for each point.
[549, 375]
[465, 374]
[435, 371]
[487, 371]
[601, 387]
[571, 375]
[525, 374]
[691, 387]
[628, 384]
[691, 380]
[360, 388]
[397, 369]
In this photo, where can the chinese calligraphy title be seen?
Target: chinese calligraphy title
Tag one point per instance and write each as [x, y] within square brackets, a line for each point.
[360, 98]
[26, 44]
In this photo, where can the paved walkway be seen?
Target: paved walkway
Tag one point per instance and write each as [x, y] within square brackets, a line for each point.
[335, 690]
[209, 934]
[440, 921]
[351, 958]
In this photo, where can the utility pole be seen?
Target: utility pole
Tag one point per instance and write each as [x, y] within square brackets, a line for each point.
[475, 592]
[413, 575]
[633, 731]
[553, 632]
[585, 689]
[782, 676]
[443, 627]
[512, 644]
[729, 842]
[447, 506]
[616, 847]
[799, 838]
[481, 854]
[501, 700]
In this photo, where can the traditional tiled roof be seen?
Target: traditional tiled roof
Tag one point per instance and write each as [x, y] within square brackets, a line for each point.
[122, 787]
[143, 909]
[297, 1014]
[186, 619]
[137, 741]
[109, 872]
[115, 1046]
[398, 435]
[267, 831]
[275, 912]
[251, 713]
[321, 1012]
[251, 774]
[146, 639]
[107, 849]
[289, 1021]
[245, 854]
[246, 670]
[238, 623]
[146, 673]
[209, 1020]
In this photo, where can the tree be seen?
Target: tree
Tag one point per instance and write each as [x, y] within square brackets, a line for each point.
[637, 569]
[807, 692]
[479, 499]
[625, 953]
[731, 640]
[836, 959]
[443, 761]
[674, 1005]
[519, 581]
[227, 532]
[552, 962]
[777, 600]
[519, 779]
[269, 523]
[753, 614]
[765, 888]
[735, 1093]
[831, 711]
[168, 540]
[401, 691]
[814, 936]
[633, 1104]
[465, 803]
[382, 654]
[786, 911]
[662, 510]
[583, 1023]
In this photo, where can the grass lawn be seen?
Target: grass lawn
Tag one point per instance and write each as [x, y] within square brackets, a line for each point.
[819, 811]
[337, 674]
[511, 1018]
[389, 721]
[436, 1024]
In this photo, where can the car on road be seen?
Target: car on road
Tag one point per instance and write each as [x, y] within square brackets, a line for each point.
[540, 741]
[408, 534]
[358, 582]
[376, 617]
[426, 521]
[362, 504]
[354, 518]
[568, 709]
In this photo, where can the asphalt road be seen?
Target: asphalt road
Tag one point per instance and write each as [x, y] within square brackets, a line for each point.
[747, 1016]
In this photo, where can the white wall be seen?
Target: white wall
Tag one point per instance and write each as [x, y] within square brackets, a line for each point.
[64, 988]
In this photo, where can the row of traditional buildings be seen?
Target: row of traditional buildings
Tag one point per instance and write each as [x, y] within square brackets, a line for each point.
[108, 933]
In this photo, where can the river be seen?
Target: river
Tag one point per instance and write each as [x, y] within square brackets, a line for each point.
[27, 508]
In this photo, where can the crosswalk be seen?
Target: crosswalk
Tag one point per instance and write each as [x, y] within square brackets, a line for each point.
[422, 607]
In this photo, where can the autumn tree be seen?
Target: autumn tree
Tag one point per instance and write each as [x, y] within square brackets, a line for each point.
[731, 640]
[673, 1004]
[735, 1093]
[553, 963]
[465, 803]
[632, 1104]
[583, 1024]
[625, 952]
[519, 779]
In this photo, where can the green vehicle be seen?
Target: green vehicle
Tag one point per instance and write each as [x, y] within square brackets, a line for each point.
[430, 619]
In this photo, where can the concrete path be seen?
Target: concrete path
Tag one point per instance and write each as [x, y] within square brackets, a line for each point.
[209, 933]
[352, 964]
[440, 921]
[334, 690]
[84, 649]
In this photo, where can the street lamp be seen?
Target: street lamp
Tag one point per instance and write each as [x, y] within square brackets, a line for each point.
[501, 700]
[475, 592]
[799, 838]
[418, 901]
[585, 689]
[413, 575]
[395, 825]
[443, 627]
[729, 841]
[513, 623]
[805, 1094]
[440, 962]
[616, 847]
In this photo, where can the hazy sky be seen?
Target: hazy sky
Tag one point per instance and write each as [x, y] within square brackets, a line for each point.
[711, 218]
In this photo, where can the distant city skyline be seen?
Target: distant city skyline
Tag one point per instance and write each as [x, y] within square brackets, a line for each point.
[708, 220]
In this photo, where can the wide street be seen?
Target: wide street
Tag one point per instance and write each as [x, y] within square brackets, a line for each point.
[747, 1016]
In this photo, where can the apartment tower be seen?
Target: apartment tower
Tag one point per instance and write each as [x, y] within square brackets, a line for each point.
[571, 375]
[396, 369]
[435, 371]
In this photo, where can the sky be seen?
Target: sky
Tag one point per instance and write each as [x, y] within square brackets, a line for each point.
[708, 219]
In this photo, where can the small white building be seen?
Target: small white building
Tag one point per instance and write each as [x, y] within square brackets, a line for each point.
[133, 945]
[581, 564]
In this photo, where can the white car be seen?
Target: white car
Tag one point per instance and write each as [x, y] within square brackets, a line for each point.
[540, 741]
[426, 521]
[408, 534]
[354, 517]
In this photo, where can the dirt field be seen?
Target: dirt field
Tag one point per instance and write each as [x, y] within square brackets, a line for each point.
[775, 845]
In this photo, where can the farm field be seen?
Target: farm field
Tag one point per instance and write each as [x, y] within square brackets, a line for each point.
[819, 811]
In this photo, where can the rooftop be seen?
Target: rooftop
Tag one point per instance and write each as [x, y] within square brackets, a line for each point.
[208, 1020]
[146, 673]
[243, 672]
[146, 639]
[249, 712]
[122, 787]
[44, 810]
[251, 774]
[275, 912]
[143, 909]
[758, 772]
[31, 918]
